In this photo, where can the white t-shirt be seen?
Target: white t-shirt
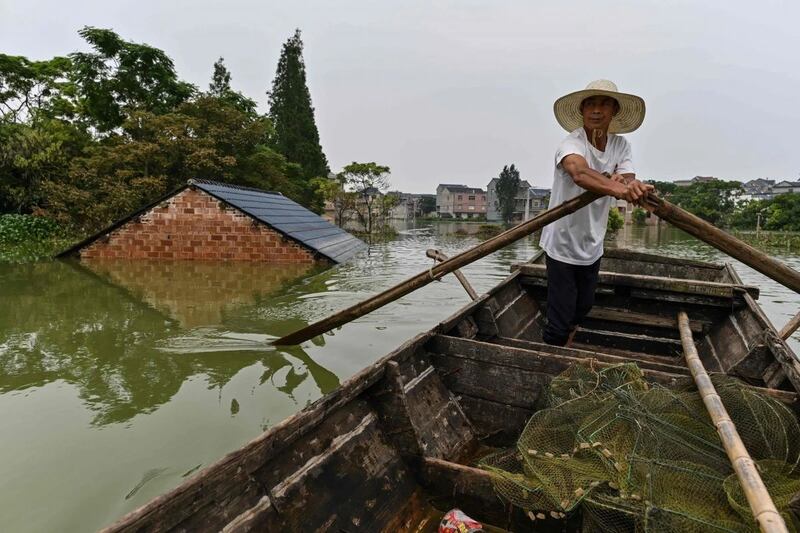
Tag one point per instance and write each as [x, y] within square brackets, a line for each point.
[577, 239]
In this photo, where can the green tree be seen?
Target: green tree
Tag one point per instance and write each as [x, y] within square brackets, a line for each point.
[35, 89]
[639, 216]
[120, 76]
[507, 188]
[783, 213]
[367, 180]
[296, 134]
[615, 220]
[205, 138]
[220, 87]
[663, 188]
[427, 205]
[713, 201]
[333, 191]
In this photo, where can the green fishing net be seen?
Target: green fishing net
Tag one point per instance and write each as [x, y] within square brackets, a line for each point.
[635, 456]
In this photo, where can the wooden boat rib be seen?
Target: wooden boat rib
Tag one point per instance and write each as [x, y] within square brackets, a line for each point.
[395, 441]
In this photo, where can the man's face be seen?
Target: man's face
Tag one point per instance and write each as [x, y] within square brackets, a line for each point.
[598, 111]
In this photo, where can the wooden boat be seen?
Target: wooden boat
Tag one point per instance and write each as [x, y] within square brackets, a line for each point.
[391, 449]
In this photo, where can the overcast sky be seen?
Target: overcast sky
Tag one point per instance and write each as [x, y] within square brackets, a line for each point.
[450, 91]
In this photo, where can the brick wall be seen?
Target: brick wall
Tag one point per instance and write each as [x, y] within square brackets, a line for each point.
[194, 225]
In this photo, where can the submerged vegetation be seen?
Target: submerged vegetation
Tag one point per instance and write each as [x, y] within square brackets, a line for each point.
[25, 238]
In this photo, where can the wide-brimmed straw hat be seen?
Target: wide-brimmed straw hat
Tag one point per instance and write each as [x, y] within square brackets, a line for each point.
[631, 108]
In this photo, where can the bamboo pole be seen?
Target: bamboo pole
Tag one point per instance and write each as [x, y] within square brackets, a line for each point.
[790, 327]
[439, 256]
[725, 242]
[423, 278]
[764, 510]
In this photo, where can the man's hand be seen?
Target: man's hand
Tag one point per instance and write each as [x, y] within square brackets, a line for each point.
[634, 190]
[622, 186]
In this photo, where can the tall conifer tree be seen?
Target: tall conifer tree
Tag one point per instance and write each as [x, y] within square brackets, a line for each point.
[296, 134]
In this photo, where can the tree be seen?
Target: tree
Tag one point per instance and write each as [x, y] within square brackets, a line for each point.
[333, 191]
[33, 89]
[507, 188]
[296, 134]
[427, 205]
[713, 201]
[120, 76]
[639, 216]
[663, 188]
[615, 220]
[220, 80]
[367, 180]
[205, 138]
[220, 87]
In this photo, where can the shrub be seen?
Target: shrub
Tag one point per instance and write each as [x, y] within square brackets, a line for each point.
[639, 215]
[615, 220]
[16, 229]
[25, 238]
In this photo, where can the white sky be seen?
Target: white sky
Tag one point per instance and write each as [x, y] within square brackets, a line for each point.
[450, 91]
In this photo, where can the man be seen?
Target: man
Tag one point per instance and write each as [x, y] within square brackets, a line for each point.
[593, 157]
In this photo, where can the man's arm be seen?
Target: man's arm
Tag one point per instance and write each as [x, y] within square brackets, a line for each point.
[591, 180]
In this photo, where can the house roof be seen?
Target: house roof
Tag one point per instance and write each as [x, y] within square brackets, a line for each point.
[537, 191]
[786, 183]
[270, 208]
[462, 189]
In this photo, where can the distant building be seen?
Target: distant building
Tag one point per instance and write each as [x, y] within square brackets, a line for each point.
[536, 199]
[460, 201]
[410, 206]
[696, 179]
[757, 189]
[785, 187]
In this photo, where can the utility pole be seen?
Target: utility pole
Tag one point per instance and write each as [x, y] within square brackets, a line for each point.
[527, 202]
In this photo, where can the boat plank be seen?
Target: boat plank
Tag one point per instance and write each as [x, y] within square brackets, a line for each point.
[651, 362]
[677, 285]
[520, 388]
[633, 342]
[257, 518]
[360, 464]
[643, 319]
[500, 423]
[530, 360]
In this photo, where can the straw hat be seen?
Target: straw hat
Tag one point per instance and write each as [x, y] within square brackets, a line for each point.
[631, 108]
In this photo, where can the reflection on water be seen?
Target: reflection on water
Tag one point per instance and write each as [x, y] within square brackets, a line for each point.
[119, 379]
[106, 327]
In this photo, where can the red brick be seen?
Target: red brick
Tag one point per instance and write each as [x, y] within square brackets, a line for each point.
[193, 225]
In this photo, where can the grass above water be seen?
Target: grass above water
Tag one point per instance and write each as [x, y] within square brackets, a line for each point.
[28, 238]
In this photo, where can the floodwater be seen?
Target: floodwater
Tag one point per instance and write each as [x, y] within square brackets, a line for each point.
[119, 380]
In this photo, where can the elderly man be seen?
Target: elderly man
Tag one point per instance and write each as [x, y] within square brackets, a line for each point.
[592, 153]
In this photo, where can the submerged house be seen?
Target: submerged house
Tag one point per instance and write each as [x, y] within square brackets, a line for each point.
[206, 220]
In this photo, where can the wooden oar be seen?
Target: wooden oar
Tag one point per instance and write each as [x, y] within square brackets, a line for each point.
[710, 234]
[764, 510]
[423, 278]
[671, 213]
[790, 327]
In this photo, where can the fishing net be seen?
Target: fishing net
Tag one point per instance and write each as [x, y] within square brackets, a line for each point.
[633, 456]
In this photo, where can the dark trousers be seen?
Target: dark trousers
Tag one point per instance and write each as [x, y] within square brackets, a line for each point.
[570, 296]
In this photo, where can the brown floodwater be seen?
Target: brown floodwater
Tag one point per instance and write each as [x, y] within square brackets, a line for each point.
[119, 380]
